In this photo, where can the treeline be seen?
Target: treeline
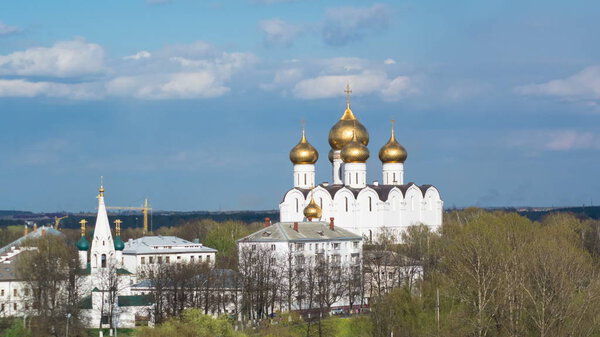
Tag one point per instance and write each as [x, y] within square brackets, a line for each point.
[499, 274]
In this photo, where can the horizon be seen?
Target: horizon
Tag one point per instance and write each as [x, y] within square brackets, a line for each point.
[195, 105]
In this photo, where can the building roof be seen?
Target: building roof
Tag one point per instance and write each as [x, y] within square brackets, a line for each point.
[382, 190]
[307, 231]
[135, 300]
[164, 245]
[10, 252]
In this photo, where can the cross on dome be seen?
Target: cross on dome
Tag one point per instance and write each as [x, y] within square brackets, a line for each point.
[348, 91]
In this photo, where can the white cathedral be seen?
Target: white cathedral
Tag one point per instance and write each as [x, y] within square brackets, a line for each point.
[365, 209]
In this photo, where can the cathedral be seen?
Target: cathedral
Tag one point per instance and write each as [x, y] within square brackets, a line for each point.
[365, 209]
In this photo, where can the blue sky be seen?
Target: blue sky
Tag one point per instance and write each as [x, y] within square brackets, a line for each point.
[195, 104]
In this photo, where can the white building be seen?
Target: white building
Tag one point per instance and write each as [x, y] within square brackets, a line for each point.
[357, 206]
[149, 250]
[305, 245]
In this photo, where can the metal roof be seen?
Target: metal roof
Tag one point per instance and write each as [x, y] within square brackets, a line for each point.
[164, 245]
[307, 231]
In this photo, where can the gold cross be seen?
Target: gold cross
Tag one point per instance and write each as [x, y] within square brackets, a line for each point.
[348, 91]
[83, 222]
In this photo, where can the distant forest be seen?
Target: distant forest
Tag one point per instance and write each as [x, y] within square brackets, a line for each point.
[171, 219]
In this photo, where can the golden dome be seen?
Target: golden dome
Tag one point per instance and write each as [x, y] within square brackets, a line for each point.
[355, 152]
[312, 210]
[392, 151]
[342, 132]
[303, 152]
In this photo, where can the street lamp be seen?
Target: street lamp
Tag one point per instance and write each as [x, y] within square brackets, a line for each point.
[68, 318]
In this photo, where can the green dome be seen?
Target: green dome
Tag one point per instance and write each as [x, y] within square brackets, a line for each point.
[119, 244]
[83, 244]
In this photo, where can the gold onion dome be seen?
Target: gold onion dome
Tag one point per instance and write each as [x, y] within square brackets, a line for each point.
[355, 152]
[392, 151]
[312, 210]
[303, 152]
[343, 131]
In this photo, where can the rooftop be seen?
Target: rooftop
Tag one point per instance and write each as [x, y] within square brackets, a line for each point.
[164, 244]
[307, 231]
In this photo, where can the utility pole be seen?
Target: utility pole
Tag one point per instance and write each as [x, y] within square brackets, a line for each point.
[437, 309]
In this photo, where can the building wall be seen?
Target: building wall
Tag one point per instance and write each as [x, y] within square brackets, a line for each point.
[132, 262]
[367, 214]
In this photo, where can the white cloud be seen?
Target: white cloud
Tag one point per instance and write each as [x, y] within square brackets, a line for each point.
[197, 70]
[63, 59]
[8, 30]
[584, 85]
[555, 140]
[343, 25]
[389, 61]
[367, 82]
[277, 32]
[138, 56]
[25, 88]
[202, 84]
[283, 77]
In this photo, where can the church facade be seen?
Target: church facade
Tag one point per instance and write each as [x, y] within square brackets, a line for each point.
[365, 209]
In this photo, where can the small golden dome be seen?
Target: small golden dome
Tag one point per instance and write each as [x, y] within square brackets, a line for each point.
[303, 152]
[392, 151]
[330, 156]
[343, 131]
[312, 210]
[355, 152]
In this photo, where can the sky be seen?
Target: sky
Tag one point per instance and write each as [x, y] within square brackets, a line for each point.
[196, 104]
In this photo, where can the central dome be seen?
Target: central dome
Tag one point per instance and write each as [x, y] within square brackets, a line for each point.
[343, 131]
[355, 152]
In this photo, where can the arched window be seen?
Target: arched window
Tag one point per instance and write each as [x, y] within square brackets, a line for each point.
[356, 182]
[103, 260]
[321, 203]
[394, 177]
[346, 199]
[296, 205]
[304, 178]
[370, 205]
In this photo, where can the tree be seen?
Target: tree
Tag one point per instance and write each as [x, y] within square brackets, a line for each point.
[192, 323]
[50, 271]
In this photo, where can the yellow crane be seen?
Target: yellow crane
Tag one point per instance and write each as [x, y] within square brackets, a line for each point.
[145, 209]
[57, 220]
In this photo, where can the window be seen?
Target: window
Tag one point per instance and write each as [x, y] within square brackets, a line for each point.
[355, 244]
[356, 182]
[2, 292]
[273, 261]
[273, 247]
[159, 259]
[168, 259]
[179, 259]
[15, 292]
[346, 199]
[394, 177]
[192, 259]
[151, 260]
[253, 247]
[103, 259]
[336, 246]
[200, 258]
[370, 205]
[143, 260]
[26, 292]
[300, 246]
[304, 178]
[321, 203]
[296, 205]
[15, 306]
[207, 258]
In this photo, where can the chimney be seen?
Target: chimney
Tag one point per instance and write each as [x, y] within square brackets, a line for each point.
[331, 225]
[296, 226]
[267, 222]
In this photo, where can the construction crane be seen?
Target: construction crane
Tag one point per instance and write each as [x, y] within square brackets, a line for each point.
[57, 220]
[145, 209]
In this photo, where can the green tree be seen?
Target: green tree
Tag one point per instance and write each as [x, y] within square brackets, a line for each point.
[192, 324]
[17, 330]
